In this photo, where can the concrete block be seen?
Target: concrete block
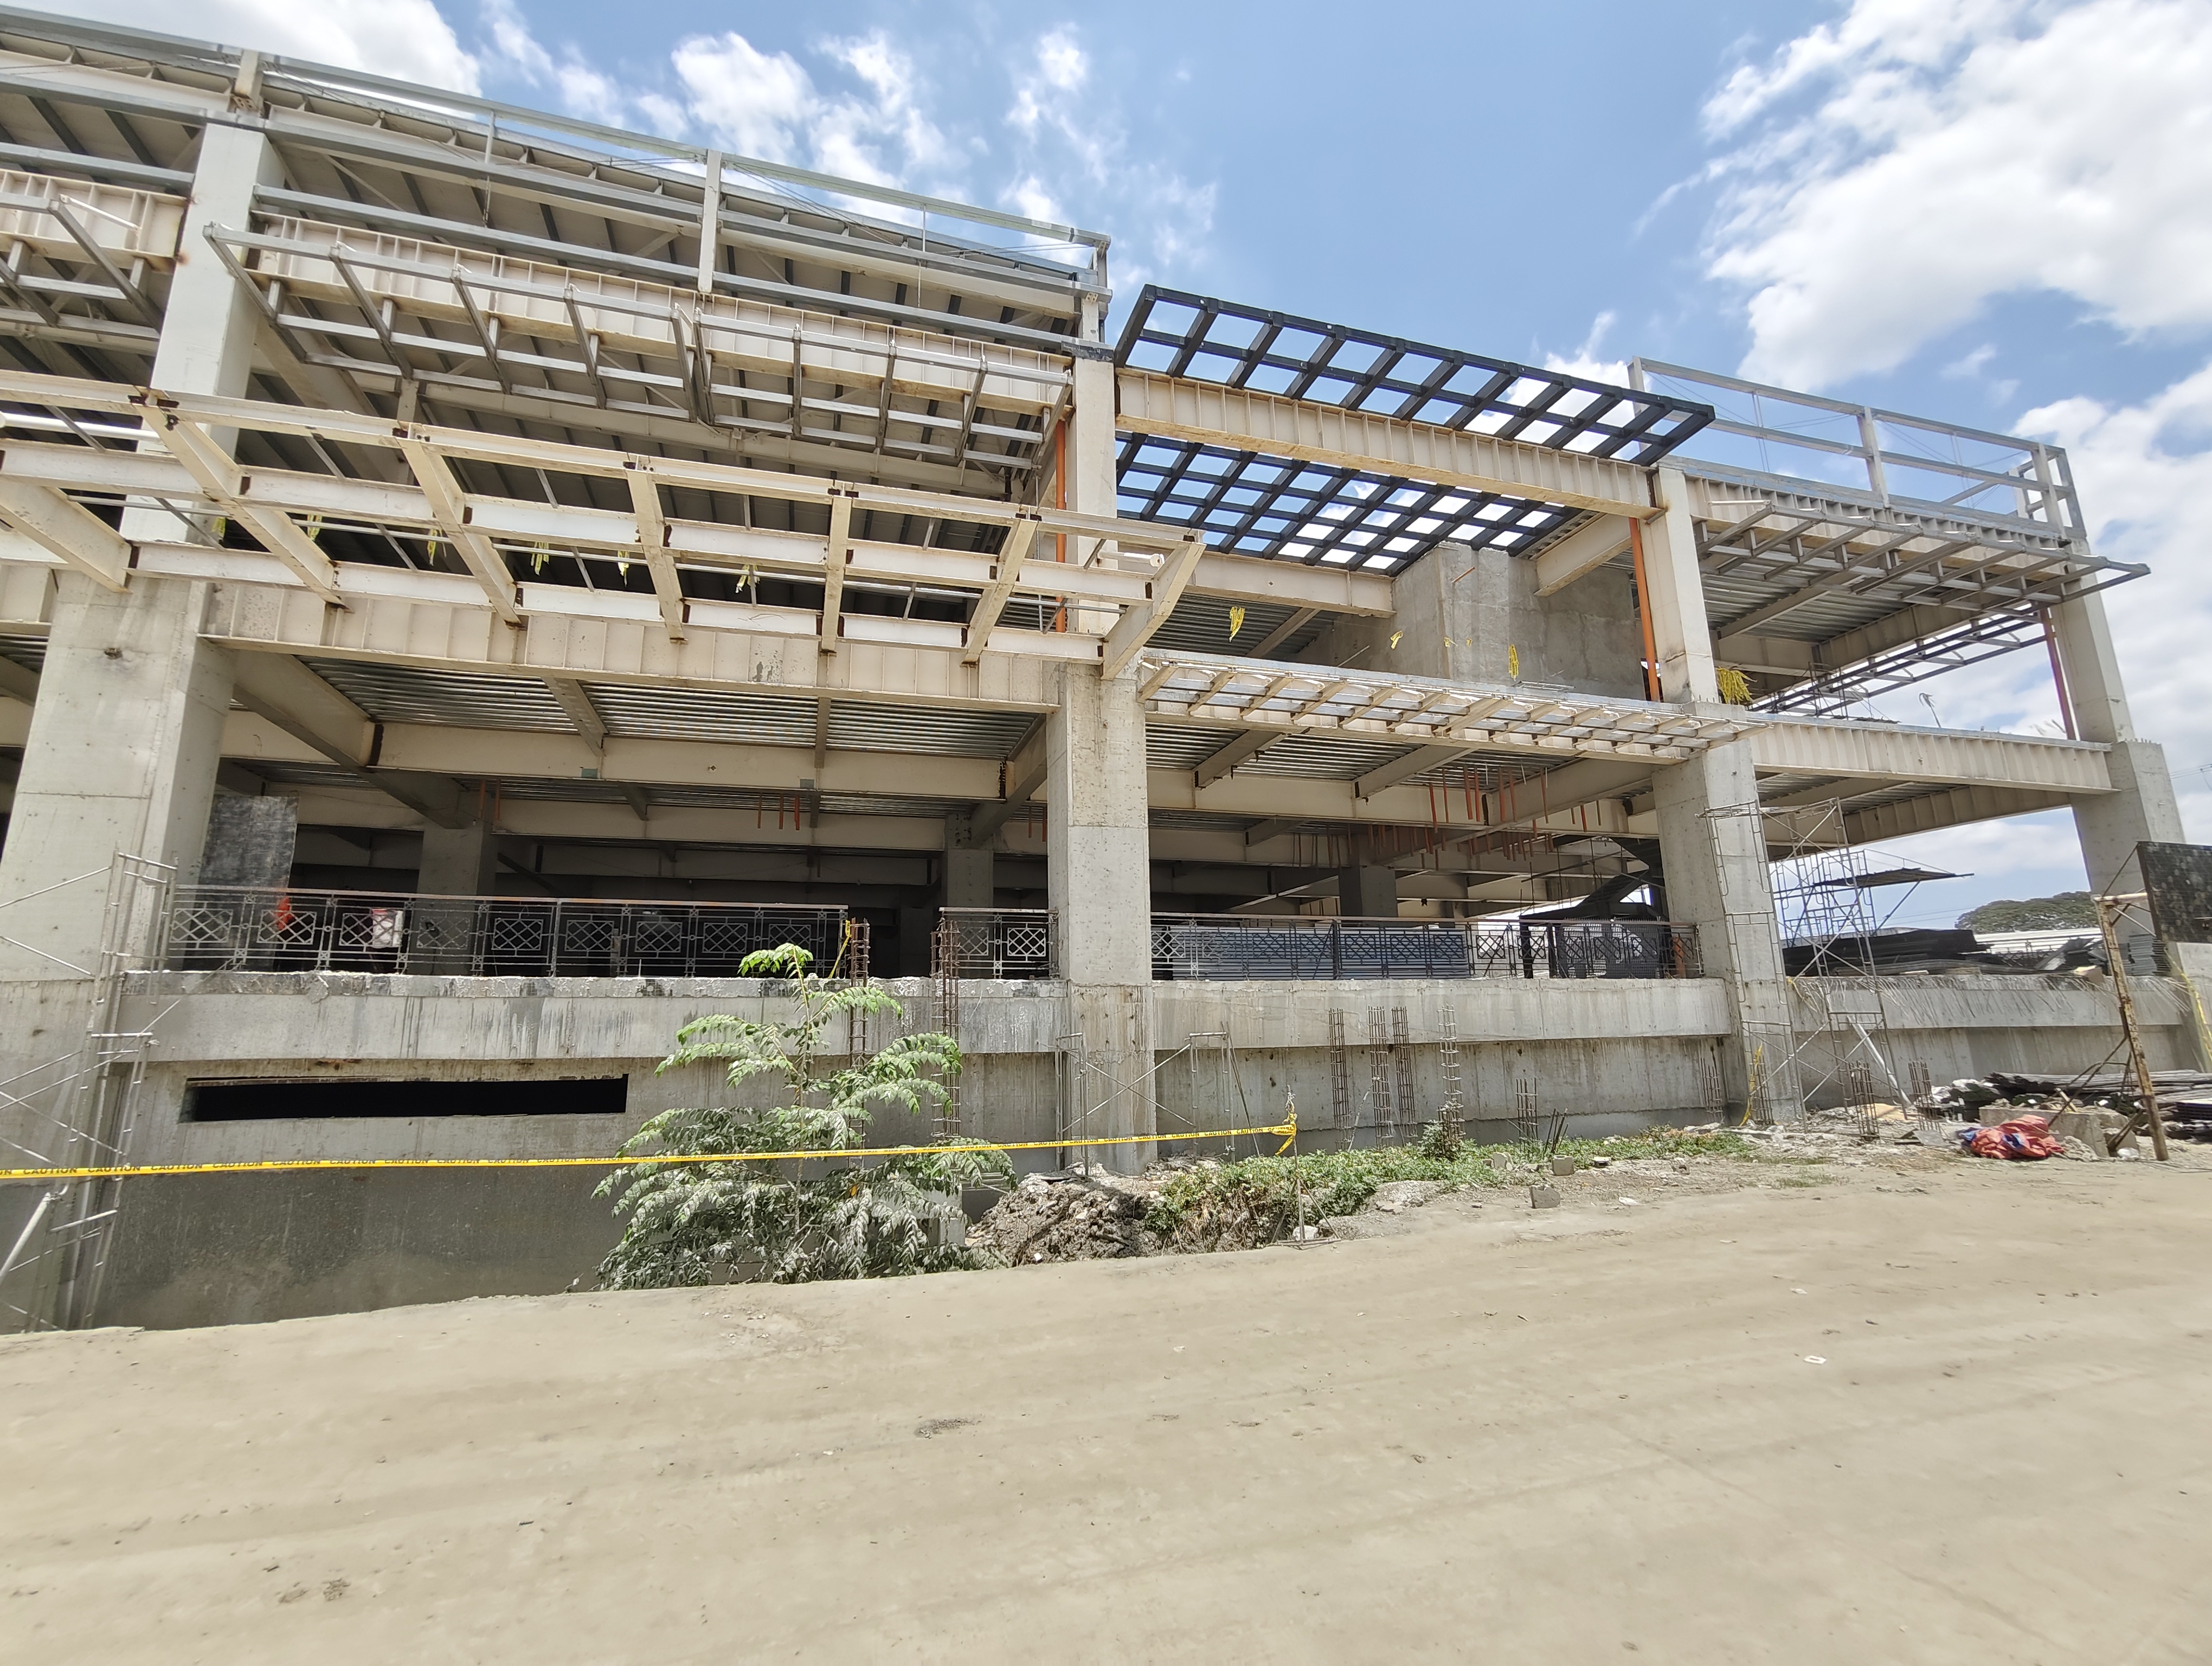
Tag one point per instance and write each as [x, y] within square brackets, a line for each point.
[1543, 1197]
[1562, 1165]
[2086, 1126]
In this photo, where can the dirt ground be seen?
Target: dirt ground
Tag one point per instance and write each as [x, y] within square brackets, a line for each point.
[1917, 1409]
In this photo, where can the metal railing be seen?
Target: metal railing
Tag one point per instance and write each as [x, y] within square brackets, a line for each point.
[1219, 947]
[1002, 942]
[1882, 459]
[238, 928]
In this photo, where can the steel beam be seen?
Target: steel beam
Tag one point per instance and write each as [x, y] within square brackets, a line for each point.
[434, 474]
[72, 534]
[217, 475]
[1177, 408]
[280, 689]
[1137, 625]
[1013, 556]
[652, 536]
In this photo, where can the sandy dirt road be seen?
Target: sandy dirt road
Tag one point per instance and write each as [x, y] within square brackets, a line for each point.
[1592, 1434]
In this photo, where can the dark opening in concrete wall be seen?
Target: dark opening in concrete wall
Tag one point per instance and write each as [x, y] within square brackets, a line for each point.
[267, 1098]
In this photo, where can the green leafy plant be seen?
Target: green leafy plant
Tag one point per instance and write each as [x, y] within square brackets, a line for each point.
[796, 1220]
[1441, 1140]
[1256, 1200]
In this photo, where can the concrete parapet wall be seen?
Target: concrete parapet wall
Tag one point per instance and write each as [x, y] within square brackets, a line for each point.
[1971, 1025]
[1610, 1054]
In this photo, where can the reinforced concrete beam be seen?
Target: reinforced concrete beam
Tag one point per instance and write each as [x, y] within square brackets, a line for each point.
[1251, 421]
[1419, 761]
[1886, 752]
[1566, 790]
[1587, 548]
[577, 705]
[1242, 749]
[1024, 775]
[279, 689]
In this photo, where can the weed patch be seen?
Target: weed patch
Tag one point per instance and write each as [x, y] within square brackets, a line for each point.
[1255, 1201]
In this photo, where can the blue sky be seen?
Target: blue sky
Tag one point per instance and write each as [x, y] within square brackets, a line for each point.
[1997, 212]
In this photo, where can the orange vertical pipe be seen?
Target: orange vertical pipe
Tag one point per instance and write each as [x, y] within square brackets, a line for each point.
[1060, 494]
[1644, 610]
[2058, 676]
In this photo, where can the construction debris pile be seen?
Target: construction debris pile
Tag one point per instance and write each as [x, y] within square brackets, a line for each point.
[2185, 1096]
[1069, 1216]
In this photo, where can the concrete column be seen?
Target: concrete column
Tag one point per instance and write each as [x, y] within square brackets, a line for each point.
[1099, 872]
[458, 861]
[123, 743]
[2141, 804]
[969, 881]
[1367, 893]
[913, 929]
[1091, 484]
[1682, 636]
[120, 760]
[1713, 846]
[251, 842]
[208, 324]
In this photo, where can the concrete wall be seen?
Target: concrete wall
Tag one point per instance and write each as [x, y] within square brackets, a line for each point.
[1612, 1055]
[1474, 616]
[1969, 1026]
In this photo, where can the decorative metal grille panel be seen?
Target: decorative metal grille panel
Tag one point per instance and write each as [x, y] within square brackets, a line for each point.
[245, 929]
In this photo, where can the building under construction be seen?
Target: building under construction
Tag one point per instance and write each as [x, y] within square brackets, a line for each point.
[469, 577]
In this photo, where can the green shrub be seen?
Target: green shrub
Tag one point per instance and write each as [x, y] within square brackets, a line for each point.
[690, 1223]
[1244, 1204]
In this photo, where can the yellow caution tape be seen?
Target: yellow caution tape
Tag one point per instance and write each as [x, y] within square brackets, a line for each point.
[1289, 1131]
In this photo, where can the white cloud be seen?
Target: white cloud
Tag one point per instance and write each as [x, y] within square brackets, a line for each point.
[406, 39]
[2145, 473]
[1584, 360]
[1027, 195]
[863, 107]
[1891, 174]
[1895, 172]
[1968, 366]
[758, 103]
[581, 90]
[1059, 69]
[884, 135]
[1072, 147]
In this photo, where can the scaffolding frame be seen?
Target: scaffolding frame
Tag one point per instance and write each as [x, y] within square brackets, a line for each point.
[1824, 909]
[59, 1259]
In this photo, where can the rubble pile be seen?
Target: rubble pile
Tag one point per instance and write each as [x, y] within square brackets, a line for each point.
[1068, 1217]
[1101, 1217]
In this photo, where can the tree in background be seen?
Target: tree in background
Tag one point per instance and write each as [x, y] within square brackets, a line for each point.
[2067, 911]
[692, 1223]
